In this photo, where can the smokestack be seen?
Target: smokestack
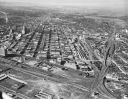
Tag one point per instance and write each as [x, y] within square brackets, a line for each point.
[6, 17]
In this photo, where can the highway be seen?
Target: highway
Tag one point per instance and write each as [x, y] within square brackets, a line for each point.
[99, 75]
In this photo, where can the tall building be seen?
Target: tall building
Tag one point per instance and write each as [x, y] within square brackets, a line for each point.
[23, 29]
[6, 19]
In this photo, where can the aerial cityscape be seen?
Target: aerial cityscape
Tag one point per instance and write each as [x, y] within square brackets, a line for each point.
[63, 51]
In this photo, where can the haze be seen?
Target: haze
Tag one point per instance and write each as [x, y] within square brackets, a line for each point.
[113, 4]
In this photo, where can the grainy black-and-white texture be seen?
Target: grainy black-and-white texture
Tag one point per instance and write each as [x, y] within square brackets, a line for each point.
[63, 49]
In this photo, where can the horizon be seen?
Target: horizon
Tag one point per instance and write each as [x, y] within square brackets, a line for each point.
[95, 7]
[108, 4]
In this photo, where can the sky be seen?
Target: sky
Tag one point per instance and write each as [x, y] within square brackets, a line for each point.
[113, 4]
